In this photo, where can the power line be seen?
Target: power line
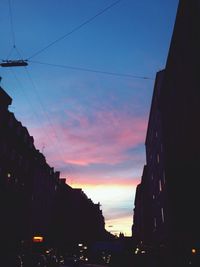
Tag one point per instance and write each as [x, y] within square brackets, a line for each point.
[75, 29]
[92, 70]
[14, 47]
[11, 23]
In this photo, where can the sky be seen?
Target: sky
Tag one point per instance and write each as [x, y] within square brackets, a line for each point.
[85, 95]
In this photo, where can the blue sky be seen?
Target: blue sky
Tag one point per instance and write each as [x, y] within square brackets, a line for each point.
[90, 126]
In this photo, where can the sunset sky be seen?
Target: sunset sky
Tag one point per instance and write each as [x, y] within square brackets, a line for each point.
[86, 116]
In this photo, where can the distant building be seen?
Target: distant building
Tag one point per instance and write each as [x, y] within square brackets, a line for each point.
[170, 183]
[77, 219]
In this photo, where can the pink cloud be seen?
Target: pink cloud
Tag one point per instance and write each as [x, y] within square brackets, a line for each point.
[100, 138]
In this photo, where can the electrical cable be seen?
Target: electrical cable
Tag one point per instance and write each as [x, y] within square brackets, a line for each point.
[92, 70]
[12, 33]
[11, 23]
[75, 29]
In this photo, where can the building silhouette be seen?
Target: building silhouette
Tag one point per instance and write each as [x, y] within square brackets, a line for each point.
[34, 200]
[166, 219]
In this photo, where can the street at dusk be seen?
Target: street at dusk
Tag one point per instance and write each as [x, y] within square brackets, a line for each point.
[99, 133]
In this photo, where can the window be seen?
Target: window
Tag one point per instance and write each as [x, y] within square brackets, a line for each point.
[155, 223]
[162, 214]
[164, 180]
[158, 158]
[160, 186]
[153, 196]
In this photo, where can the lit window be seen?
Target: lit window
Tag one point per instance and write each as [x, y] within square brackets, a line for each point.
[153, 196]
[160, 186]
[162, 213]
[9, 175]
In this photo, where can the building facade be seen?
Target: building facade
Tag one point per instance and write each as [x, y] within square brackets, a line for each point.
[173, 148]
[151, 201]
[34, 200]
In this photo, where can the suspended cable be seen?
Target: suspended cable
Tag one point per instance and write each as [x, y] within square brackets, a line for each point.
[16, 62]
[10, 53]
[92, 70]
[75, 29]
[11, 23]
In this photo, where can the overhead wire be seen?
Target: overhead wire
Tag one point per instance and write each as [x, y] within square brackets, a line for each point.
[75, 29]
[92, 70]
[11, 23]
[14, 47]
[66, 35]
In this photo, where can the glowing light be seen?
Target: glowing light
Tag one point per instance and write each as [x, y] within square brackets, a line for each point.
[38, 239]
[193, 250]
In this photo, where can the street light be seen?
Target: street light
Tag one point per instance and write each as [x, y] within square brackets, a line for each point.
[38, 239]
[14, 63]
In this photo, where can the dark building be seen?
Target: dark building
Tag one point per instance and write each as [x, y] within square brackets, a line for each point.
[173, 148]
[27, 182]
[150, 213]
[15, 177]
[34, 201]
[77, 219]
